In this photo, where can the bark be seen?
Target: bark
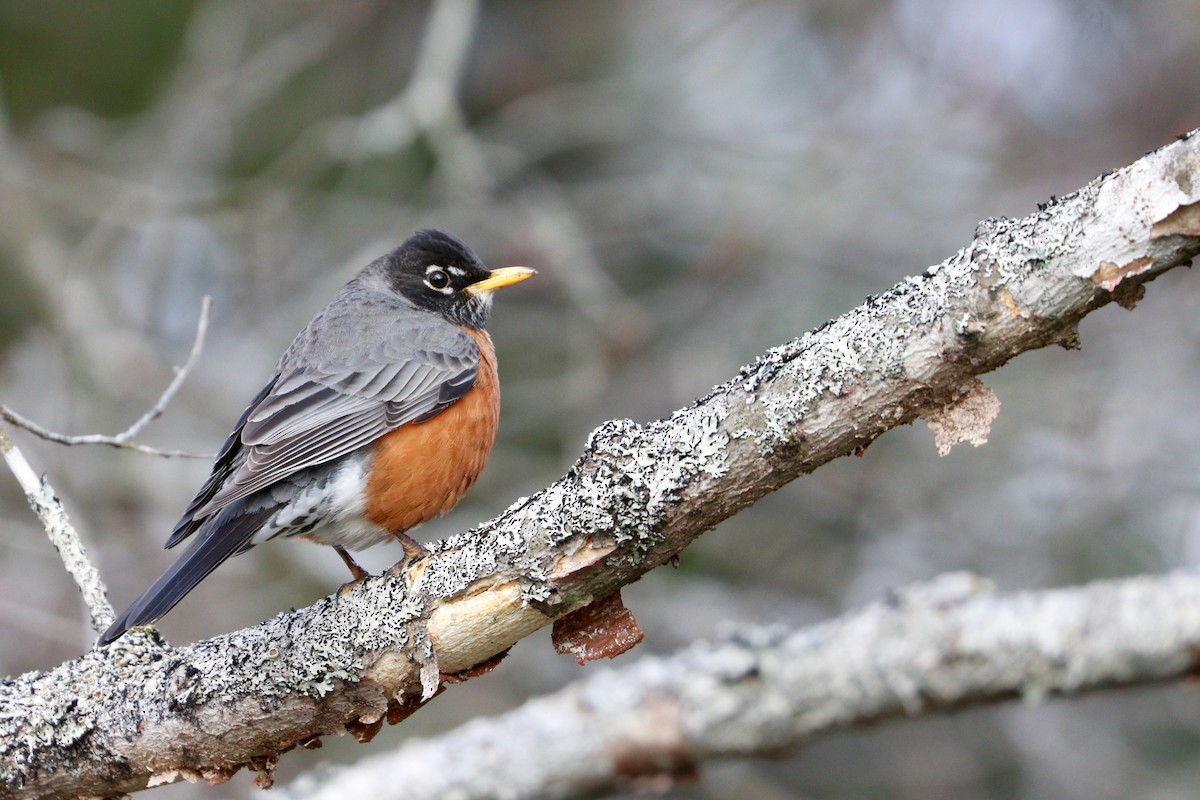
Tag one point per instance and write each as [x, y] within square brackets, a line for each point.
[760, 692]
[141, 712]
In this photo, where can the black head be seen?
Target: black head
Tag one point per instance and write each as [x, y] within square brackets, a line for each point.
[439, 273]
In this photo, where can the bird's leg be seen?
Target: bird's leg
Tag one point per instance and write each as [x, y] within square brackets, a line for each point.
[358, 572]
[412, 548]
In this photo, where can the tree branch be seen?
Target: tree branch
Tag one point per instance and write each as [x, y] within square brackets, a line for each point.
[935, 647]
[62, 533]
[124, 439]
[139, 712]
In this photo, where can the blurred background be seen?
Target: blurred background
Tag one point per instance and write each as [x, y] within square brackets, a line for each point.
[696, 182]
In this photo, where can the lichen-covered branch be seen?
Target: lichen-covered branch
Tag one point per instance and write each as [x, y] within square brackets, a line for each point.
[49, 509]
[758, 692]
[139, 712]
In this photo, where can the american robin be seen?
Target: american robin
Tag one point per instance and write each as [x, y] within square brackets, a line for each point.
[380, 415]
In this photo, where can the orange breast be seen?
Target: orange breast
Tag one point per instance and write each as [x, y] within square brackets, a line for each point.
[420, 471]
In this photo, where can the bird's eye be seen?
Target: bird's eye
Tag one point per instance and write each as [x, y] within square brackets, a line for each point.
[437, 279]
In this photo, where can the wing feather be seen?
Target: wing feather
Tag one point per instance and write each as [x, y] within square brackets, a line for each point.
[314, 414]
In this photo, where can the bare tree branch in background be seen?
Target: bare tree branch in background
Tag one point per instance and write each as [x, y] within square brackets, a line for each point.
[141, 713]
[124, 439]
[931, 648]
[428, 105]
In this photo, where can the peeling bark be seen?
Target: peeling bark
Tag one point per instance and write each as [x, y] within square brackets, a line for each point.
[604, 629]
[139, 711]
[967, 417]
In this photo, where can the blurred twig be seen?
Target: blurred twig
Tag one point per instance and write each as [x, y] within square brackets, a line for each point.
[124, 439]
[428, 103]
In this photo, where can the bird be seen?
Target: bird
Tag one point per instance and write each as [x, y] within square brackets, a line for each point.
[379, 416]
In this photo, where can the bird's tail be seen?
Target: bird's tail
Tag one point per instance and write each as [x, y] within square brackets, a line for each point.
[227, 533]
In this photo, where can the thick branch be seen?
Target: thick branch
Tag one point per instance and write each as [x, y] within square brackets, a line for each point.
[759, 692]
[114, 719]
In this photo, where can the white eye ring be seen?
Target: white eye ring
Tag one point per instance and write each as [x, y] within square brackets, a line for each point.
[437, 279]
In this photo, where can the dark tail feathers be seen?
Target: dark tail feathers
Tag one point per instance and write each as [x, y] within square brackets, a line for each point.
[226, 534]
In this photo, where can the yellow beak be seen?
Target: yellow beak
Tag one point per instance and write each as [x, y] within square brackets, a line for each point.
[504, 276]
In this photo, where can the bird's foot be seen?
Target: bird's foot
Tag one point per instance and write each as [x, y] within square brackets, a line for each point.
[413, 551]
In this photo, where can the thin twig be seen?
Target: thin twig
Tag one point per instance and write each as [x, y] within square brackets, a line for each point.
[181, 374]
[63, 536]
[123, 439]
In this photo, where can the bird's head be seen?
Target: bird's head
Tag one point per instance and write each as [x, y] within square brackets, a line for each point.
[438, 273]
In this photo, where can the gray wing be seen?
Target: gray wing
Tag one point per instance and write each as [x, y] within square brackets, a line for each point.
[315, 413]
